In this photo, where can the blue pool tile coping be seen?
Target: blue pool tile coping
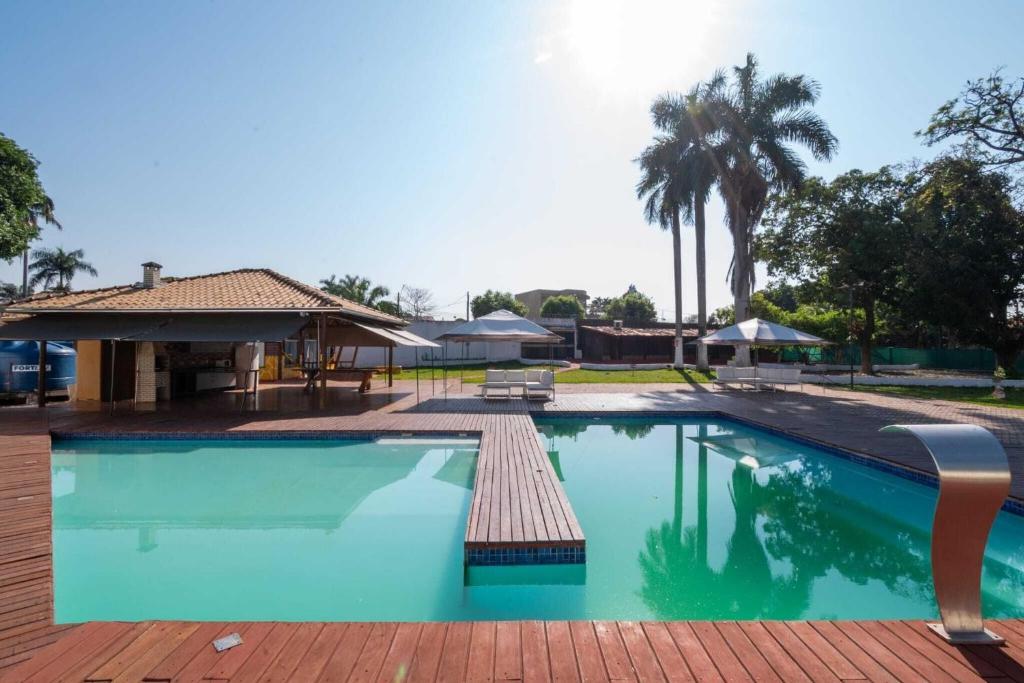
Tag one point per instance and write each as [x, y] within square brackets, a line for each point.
[254, 435]
[1010, 505]
[489, 557]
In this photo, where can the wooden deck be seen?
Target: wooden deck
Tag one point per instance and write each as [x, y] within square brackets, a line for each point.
[521, 651]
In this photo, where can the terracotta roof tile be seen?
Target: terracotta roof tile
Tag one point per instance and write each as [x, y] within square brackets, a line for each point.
[255, 289]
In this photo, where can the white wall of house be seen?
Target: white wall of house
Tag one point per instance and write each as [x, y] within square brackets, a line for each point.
[473, 352]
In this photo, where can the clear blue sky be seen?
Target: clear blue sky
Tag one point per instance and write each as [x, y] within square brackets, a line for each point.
[453, 146]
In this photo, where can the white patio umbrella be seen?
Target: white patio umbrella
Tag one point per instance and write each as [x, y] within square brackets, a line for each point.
[499, 326]
[757, 332]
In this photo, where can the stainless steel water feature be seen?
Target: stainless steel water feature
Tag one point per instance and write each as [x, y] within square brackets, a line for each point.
[974, 480]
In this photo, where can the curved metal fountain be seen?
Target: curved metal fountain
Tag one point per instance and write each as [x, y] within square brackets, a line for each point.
[974, 480]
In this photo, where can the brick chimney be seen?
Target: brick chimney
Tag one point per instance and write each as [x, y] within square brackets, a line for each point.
[151, 274]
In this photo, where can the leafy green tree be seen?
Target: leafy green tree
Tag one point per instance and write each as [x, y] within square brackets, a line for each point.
[844, 237]
[493, 300]
[597, 306]
[361, 291]
[987, 118]
[23, 203]
[9, 291]
[562, 306]
[759, 121]
[58, 266]
[964, 267]
[632, 306]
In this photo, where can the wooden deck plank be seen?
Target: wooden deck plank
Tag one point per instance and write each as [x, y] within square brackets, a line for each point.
[201, 638]
[265, 653]
[230, 661]
[561, 654]
[143, 661]
[398, 660]
[640, 652]
[784, 666]
[535, 652]
[804, 656]
[280, 670]
[482, 643]
[428, 653]
[77, 671]
[719, 651]
[898, 650]
[954, 660]
[830, 656]
[588, 652]
[374, 651]
[455, 652]
[693, 652]
[316, 657]
[756, 664]
[508, 652]
[116, 665]
[342, 662]
[613, 650]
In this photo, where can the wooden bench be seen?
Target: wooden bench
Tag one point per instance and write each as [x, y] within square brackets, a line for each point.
[361, 376]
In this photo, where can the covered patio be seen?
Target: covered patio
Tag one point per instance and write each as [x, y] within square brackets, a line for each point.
[211, 338]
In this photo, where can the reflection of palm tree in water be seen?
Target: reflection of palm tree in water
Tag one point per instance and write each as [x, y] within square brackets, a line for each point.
[679, 583]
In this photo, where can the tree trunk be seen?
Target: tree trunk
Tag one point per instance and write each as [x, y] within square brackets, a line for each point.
[702, 293]
[867, 336]
[741, 279]
[677, 263]
[1006, 355]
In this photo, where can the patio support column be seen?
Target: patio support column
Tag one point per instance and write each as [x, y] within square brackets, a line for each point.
[42, 374]
[391, 366]
[321, 348]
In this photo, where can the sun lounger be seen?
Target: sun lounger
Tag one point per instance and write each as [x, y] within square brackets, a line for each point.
[504, 380]
[778, 377]
[540, 384]
[741, 377]
[758, 378]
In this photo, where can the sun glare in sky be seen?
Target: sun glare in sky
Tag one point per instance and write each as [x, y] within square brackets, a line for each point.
[635, 47]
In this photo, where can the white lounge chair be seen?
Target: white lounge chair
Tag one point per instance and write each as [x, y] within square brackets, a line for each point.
[778, 377]
[540, 384]
[757, 377]
[733, 376]
[495, 380]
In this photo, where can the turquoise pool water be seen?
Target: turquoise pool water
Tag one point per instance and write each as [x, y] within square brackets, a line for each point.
[684, 519]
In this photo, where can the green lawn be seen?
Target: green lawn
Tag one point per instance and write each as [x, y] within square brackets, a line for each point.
[632, 376]
[979, 395]
[475, 374]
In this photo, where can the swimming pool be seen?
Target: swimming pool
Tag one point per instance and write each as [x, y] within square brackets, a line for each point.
[685, 519]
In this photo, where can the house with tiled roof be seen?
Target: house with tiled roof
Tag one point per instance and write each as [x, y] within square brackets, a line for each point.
[166, 336]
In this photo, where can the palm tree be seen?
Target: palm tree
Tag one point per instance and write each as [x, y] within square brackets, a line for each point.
[58, 265]
[357, 289]
[668, 193]
[688, 122]
[41, 212]
[756, 122]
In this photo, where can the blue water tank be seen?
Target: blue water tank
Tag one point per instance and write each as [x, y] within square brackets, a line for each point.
[19, 366]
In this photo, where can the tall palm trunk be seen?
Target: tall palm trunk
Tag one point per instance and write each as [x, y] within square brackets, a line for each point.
[677, 263]
[702, 293]
[740, 276]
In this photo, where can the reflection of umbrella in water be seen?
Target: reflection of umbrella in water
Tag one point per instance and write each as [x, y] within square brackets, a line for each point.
[459, 469]
[750, 451]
